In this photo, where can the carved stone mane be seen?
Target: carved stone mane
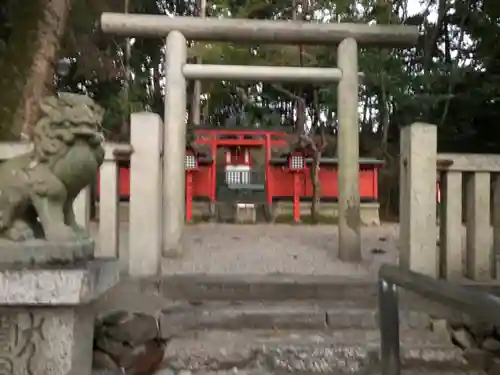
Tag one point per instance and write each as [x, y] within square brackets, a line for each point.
[54, 131]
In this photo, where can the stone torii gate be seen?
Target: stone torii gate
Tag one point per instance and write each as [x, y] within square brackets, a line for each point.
[347, 36]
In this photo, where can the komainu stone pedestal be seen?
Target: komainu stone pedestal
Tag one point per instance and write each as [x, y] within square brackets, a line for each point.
[47, 319]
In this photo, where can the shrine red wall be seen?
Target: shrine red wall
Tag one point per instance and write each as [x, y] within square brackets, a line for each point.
[202, 184]
[280, 178]
[282, 182]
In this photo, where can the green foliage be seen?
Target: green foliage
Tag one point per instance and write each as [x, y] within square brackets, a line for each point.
[18, 47]
[451, 78]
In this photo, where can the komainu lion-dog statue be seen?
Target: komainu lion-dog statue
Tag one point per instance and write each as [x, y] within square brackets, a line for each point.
[37, 189]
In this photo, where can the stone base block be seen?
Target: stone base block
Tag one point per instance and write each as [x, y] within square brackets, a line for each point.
[46, 341]
[245, 213]
[46, 319]
[369, 211]
[43, 252]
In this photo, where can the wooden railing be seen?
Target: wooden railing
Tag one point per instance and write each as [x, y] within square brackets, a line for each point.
[470, 206]
[141, 254]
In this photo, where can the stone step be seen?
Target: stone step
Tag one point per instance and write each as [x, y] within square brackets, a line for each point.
[305, 352]
[278, 287]
[196, 287]
[422, 371]
[284, 315]
[352, 303]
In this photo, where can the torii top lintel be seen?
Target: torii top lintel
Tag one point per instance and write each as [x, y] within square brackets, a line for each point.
[258, 31]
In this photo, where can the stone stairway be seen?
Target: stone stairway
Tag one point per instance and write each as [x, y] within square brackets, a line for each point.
[303, 338]
[301, 352]
[332, 336]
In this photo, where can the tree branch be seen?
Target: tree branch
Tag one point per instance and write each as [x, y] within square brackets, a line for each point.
[288, 93]
[455, 69]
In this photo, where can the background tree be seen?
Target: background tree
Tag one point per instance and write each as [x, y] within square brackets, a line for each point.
[451, 78]
[32, 37]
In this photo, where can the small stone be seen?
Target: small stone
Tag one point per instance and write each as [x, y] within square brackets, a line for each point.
[165, 371]
[184, 372]
[494, 368]
[139, 350]
[441, 328]
[463, 338]
[114, 318]
[317, 339]
[490, 344]
[135, 330]
[125, 356]
[114, 348]
[107, 372]
[103, 361]
[133, 353]
[478, 358]
[481, 330]
[146, 359]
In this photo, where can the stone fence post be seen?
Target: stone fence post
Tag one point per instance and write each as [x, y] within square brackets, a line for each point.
[417, 199]
[145, 235]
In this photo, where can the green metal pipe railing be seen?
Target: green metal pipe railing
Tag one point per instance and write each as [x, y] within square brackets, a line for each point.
[478, 305]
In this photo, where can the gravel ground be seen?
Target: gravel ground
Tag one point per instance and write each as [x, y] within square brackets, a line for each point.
[285, 249]
[271, 249]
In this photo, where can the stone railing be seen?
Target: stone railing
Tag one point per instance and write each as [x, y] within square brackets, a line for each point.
[140, 253]
[462, 251]
[478, 173]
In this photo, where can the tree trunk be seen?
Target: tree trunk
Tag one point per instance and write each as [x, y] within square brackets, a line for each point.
[318, 149]
[195, 114]
[124, 135]
[28, 65]
[316, 186]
